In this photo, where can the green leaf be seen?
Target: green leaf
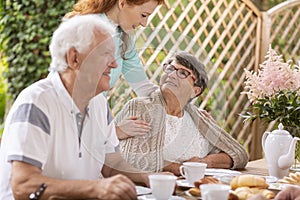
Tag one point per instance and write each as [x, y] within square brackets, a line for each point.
[26, 28]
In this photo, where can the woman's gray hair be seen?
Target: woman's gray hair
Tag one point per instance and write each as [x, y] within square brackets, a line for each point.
[191, 62]
[78, 32]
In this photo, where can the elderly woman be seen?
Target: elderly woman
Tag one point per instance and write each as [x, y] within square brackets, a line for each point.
[179, 130]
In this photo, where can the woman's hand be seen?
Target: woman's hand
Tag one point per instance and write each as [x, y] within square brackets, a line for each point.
[172, 167]
[132, 127]
[207, 115]
[218, 160]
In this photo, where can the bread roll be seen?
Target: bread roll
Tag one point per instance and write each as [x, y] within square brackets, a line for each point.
[195, 192]
[267, 193]
[232, 196]
[293, 178]
[247, 180]
[244, 193]
[206, 180]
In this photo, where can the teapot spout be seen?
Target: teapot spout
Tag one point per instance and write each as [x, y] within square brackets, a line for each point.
[286, 161]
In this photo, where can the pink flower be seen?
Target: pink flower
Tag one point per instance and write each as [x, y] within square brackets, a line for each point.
[273, 76]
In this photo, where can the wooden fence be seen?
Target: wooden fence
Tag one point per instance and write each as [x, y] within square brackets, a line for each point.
[227, 36]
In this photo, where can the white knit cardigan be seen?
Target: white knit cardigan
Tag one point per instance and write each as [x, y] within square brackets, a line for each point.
[146, 152]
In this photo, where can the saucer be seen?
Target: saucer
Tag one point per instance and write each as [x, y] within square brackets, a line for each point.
[151, 197]
[295, 168]
[221, 172]
[225, 179]
[271, 179]
[279, 186]
[140, 190]
[184, 183]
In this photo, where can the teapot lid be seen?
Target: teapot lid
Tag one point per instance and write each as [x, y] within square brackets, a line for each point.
[280, 130]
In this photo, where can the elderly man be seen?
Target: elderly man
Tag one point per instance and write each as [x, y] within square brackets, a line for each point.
[57, 134]
[179, 130]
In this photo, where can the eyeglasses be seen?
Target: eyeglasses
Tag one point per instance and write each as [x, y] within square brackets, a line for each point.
[181, 73]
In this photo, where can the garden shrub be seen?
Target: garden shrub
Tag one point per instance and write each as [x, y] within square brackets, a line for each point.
[26, 27]
[3, 90]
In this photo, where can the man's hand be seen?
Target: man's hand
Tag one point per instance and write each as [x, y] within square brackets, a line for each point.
[26, 178]
[116, 187]
[132, 127]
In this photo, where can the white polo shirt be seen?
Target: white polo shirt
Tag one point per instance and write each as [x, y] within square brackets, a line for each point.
[45, 128]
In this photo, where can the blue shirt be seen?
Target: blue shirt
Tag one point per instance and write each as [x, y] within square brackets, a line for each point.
[131, 68]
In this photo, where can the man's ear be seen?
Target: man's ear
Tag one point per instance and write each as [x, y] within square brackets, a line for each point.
[121, 3]
[72, 58]
[197, 90]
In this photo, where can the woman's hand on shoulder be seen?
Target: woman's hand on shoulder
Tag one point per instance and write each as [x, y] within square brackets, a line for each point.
[131, 127]
[207, 115]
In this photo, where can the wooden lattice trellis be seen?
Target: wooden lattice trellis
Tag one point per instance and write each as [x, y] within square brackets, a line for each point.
[226, 35]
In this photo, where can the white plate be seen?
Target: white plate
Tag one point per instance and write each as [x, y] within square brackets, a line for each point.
[151, 197]
[278, 186]
[221, 172]
[225, 179]
[271, 179]
[184, 183]
[140, 190]
[295, 168]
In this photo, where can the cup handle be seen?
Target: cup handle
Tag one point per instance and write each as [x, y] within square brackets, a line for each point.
[181, 171]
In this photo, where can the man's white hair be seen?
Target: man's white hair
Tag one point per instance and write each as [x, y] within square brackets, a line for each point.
[77, 32]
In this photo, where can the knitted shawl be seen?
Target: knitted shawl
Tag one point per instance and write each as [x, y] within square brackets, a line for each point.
[146, 152]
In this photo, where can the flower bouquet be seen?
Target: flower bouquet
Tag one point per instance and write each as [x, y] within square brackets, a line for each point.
[274, 93]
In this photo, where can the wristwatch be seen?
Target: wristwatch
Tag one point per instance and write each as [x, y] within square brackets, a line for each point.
[36, 195]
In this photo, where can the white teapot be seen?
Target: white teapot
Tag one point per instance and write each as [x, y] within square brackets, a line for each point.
[279, 147]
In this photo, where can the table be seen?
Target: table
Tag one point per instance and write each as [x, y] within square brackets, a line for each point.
[257, 167]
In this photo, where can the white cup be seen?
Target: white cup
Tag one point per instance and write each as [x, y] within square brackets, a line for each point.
[193, 171]
[162, 186]
[214, 191]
